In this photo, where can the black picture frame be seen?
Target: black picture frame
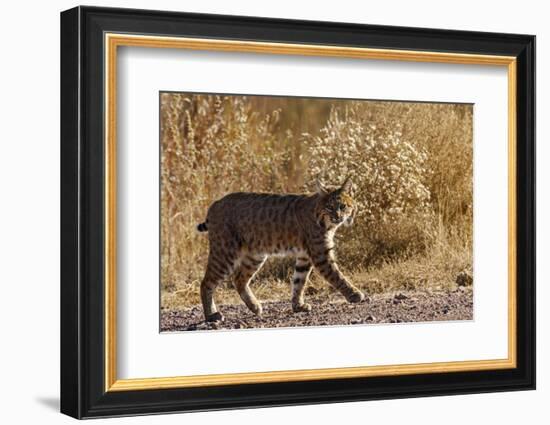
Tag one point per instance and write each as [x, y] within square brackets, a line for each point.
[83, 392]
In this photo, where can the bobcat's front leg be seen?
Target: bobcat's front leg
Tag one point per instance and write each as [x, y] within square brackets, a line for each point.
[323, 261]
[299, 280]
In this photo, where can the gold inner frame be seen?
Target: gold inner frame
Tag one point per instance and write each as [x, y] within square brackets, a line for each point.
[113, 41]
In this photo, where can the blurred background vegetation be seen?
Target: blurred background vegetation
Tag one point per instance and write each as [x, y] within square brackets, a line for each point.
[411, 165]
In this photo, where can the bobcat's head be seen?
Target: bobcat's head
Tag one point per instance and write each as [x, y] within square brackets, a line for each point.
[336, 205]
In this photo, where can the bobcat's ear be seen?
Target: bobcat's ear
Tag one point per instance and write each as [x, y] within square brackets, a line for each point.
[321, 188]
[347, 186]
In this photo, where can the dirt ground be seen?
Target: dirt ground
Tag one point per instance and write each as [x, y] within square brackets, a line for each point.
[400, 307]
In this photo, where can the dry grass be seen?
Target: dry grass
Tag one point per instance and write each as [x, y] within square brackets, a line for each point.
[411, 164]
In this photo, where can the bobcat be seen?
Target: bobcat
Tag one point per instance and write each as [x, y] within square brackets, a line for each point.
[244, 228]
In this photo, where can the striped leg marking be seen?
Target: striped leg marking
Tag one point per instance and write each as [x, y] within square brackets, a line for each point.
[299, 280]
[327, 267]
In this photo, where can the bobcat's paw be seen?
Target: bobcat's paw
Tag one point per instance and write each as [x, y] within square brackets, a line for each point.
[300, 308]
[215, 317]
[356, 297]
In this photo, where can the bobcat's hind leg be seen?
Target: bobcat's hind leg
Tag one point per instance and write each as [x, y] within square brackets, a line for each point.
[250, 264]
[218, 268]
[299, 280]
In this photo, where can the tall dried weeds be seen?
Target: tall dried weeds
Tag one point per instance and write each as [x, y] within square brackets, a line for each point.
[411, 165]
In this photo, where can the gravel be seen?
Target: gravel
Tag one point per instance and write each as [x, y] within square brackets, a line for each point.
[401, 307]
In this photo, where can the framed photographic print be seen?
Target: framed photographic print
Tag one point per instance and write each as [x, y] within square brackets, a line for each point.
[261, 212]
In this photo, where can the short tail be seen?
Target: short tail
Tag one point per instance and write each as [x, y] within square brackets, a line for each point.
[202, 227]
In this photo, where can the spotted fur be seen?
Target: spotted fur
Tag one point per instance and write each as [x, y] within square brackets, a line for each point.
[245, 228]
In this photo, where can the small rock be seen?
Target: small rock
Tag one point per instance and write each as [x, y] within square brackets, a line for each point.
[400, 297]
[464, 278]
[370, 318]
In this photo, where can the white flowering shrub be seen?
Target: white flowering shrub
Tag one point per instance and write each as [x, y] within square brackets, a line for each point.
[445, 133]
[394, 209]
